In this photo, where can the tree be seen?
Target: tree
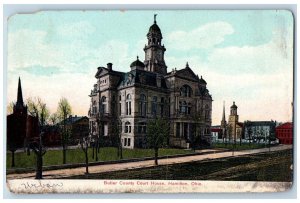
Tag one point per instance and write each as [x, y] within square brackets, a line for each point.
[240, 134]
[54, 118]
[197, 131]
[64, 110]
[37, 147]
[249, 131]
[117, 136]
[229, 131]
[157, 135]
[10, 108]
[85, 141]
[37, 108]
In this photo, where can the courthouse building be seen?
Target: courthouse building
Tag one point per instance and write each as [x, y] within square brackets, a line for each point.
[148, 91]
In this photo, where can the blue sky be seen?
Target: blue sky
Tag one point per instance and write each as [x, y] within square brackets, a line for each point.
[245, 56]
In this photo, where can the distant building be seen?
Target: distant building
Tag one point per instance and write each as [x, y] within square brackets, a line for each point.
[259, 130]
[149, 91]
[284, 133]
[234, 127]
[216, 133]
[78, 126]
[52, 136]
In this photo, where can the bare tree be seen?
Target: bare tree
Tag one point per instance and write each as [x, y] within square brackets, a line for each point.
[38, 109]
[249, 131]
[85, 142]
[196, 137]
[54, 118]
[64, 110]
[229, 132]
[10, 108]
[37, 147]
[117, 137]
[157, 135]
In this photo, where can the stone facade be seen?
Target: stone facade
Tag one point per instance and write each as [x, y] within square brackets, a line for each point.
[148, 91]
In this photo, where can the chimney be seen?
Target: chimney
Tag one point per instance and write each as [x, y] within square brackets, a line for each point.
[109, 66]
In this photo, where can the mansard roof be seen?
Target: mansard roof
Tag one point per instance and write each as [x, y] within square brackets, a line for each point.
[141, 77]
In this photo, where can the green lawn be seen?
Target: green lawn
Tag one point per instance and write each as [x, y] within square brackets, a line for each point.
[54, 157]
[238, 146]
[271, 166]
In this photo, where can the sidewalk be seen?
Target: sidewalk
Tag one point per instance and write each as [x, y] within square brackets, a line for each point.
[56, 174]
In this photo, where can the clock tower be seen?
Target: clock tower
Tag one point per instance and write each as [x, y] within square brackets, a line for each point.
[233, 120]
[154, 51]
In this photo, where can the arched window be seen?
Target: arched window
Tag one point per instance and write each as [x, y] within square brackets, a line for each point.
[103, 105]
[127, 127]
[186, 91]
[154, 105]
[143, 108]
[128, 104]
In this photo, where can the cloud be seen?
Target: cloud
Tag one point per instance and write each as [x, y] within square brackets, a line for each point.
[28, 49]
[50, 69]
[259, 78]
[265, 58]
[203, 37]
[81, 29]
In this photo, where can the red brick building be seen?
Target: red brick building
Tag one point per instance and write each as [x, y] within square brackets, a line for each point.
[284, 133]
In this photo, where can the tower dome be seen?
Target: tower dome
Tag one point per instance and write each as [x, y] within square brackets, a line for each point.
[233, 106]
[154, 28]
[137, 64]
[154, 31]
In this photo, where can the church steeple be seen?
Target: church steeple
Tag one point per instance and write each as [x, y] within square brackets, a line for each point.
[20, 102]
[223, 121]
[154, 50]
[20, 107]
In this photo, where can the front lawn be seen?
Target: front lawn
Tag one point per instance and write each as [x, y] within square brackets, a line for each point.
[55, 157]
